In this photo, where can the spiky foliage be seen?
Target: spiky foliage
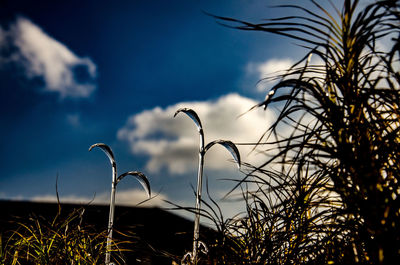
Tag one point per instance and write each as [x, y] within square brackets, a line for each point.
[61, 240]
[335, 195]
[287, 222]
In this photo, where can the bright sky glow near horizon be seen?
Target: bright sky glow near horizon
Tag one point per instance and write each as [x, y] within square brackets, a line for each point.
[75, 73]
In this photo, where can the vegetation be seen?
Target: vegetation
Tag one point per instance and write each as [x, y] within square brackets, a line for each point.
[62, 240]
[231, 147]
[115, 180]
[328, 192]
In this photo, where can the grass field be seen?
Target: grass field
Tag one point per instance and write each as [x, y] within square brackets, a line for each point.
[148, 235]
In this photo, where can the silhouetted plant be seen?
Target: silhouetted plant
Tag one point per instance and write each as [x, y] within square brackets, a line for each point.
[61, 240]
[138, 175]
[329, 189]
[231, 147]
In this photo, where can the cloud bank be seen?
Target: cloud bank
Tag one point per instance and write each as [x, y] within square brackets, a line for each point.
[172, 143]
[41, 56]
[266, 71]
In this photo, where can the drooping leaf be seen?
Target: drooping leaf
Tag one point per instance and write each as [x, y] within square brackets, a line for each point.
[192, 114]
[106, 149]
[230, 146]
[140, 177]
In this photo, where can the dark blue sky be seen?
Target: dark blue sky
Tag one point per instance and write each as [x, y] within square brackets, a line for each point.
[146, 54]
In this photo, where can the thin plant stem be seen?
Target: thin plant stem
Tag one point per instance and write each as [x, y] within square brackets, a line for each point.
[231, 147]
[198, 196]
[111, 215]
[139, 176]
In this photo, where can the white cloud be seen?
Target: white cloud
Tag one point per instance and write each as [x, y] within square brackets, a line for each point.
[131, 197]
[267, 70]
[172, 143]
[42, 56]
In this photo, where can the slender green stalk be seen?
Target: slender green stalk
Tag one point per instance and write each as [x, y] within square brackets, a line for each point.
[107, 150]
[202, 151]
[140, 177]
[198, 194]
[111, 214]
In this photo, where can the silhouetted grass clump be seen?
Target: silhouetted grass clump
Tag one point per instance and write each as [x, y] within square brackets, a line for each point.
[328, 192]
[64, 239]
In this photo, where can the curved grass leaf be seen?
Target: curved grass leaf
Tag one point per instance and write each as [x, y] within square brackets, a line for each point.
[140, 177]
[192, 114]
[106, 149]
[230, 146]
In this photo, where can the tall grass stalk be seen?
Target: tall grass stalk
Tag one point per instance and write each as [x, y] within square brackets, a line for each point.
[138, 175]
[231, 147]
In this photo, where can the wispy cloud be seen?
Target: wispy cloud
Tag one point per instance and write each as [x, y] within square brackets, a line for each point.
[172, 143]
[73, 119]
[41, 56]
[266, 71]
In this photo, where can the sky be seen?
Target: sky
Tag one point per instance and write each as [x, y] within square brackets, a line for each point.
[75, 73]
